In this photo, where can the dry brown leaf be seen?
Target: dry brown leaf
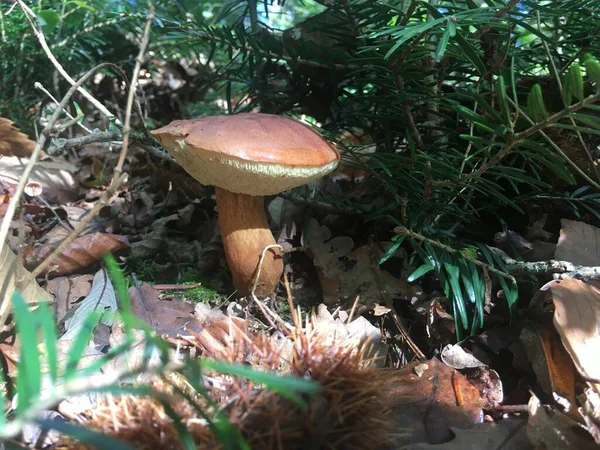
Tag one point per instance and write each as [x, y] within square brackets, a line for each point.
[579, 243]
[81, 253]
[550, 429]
[551, 363]
[577, 320]
[590, 410]
[12, 141]
[13, 272]
[165, 316]
[430, 398]
[68, 290]
[344, 272]
[507, 434]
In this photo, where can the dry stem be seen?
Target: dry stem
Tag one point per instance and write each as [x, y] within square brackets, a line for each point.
[37, 29]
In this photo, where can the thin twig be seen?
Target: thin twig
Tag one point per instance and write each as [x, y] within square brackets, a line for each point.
[16, 198]
[556, 75]
[403, 230]
[118, 178]
[37, 30]
[561, 269]
[560, 151]
[498, 15]
[260, 264]
[519, 137]
[39, 86]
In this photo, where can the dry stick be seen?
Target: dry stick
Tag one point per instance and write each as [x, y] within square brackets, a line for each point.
[117, 177]
[16, 198]
[403, 230]
[560, 269]
[260, 264]
[519, 137]
[12, 206]
[39, 86]
[37, 30]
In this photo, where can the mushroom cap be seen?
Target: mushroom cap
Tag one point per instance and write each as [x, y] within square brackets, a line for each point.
[249, 153]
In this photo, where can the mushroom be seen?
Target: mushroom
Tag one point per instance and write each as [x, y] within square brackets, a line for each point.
[247, 156]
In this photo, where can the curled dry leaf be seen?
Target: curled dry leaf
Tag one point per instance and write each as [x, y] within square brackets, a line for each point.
[12, 141]
[101, 298]
[578, 243]
[431, 398]
[552, 430]
[167, 317]
[456, 357]
[507, 434]
[577, 320]
[551, 363]
[11, 271]
[83, 251]
[590, 410]
[344, 272]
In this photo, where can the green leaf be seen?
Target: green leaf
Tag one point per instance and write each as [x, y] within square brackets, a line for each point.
[592, 68]
[80, 343]
[49, 19]
[502, 98]
[29, 379]
[46, 319]
[458, 300]
[420, 271]
[442, 44]
[116, 276]
[535, 104]
[395, 246]
[410, 32]
[573, 84]
[85, 435]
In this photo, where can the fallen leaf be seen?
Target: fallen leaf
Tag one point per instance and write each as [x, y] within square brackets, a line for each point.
[456, 357]
[345, 272]
[577, 320]
[551, 363]
[11, 271]
[506, 434]
[590, 410]
[67, 291]
[433, 403]
[167, 317]
[101, 298]
[578, 243]
[12, 141]
[81, 253]
[550, 429]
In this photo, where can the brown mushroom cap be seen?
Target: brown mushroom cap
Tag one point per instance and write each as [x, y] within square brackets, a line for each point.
[250, 153]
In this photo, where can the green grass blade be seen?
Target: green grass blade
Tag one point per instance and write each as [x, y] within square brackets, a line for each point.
[80, 343]
[29, 379]
[46, 319]
[98, 440]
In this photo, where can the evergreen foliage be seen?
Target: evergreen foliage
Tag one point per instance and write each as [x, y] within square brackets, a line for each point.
[476, 109]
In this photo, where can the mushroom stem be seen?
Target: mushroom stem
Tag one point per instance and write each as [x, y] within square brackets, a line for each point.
[245, 232]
